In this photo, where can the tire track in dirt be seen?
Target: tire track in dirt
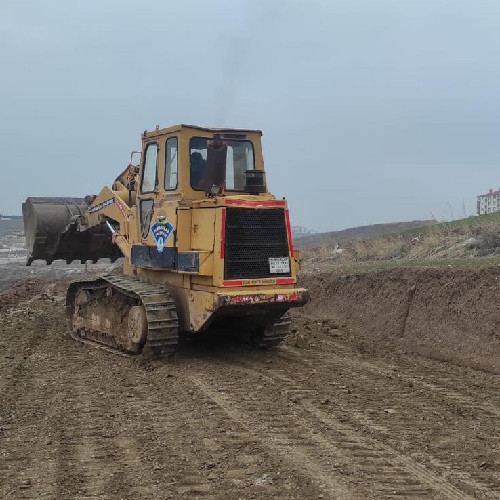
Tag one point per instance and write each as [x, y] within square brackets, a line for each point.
[98, 451]
[415, 415]
[71, 457]
[110, 428]
[76, 444]
[24, 394]
[402, 476]
[43, 401]
[99, 454]
[298, 451]
[400, 388]
[72, 480]
[10, 346]
[160, 426]
[437, 372]
[311, 400]
[332, 359]
[436, 377]
[229, 460]
[83, 424]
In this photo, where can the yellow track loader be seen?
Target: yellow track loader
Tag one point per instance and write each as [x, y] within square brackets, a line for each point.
[204, 244]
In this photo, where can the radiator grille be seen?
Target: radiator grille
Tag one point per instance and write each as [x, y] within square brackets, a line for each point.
[252, 236]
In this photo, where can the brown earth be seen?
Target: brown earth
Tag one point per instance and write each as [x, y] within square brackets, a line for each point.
[328, 415]
[447, 314]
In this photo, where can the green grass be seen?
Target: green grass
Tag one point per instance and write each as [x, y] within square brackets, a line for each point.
[466, 225]
[438, 246]
[366, 267]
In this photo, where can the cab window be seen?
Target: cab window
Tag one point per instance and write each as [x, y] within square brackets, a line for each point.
[171, 164]
[198, 161]
[239, 159]
[149, 170]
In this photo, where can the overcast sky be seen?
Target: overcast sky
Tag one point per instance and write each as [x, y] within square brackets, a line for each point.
[372, 111]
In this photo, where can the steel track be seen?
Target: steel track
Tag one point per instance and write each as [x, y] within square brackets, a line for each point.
[273, 335]
[162, 321]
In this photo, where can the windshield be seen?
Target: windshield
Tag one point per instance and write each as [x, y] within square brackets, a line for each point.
[239, 159]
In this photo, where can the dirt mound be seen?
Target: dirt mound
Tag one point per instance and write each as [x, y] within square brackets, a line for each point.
[446, 314]
[21, 292]
[30, 289]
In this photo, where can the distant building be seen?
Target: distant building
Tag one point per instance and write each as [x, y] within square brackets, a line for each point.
[489, 202]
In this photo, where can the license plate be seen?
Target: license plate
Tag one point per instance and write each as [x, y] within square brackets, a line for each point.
[279, 265]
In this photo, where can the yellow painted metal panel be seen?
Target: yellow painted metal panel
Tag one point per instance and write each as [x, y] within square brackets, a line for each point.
[203, 229]
[184, 230]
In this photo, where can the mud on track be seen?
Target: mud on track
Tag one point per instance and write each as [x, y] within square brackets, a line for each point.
[318, 418]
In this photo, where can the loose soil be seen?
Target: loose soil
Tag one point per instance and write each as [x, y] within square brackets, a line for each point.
[330, 414]
[447, 314]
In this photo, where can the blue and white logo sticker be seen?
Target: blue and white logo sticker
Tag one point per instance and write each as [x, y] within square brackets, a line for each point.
[161, 232]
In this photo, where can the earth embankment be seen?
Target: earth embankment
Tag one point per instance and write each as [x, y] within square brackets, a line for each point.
[447, 314]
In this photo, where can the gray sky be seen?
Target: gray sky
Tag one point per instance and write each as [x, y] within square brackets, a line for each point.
[372, 111]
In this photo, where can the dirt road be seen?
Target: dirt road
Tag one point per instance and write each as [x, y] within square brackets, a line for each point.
[321, 417]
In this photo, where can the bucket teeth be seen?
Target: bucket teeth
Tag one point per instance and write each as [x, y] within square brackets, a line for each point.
[50, 228]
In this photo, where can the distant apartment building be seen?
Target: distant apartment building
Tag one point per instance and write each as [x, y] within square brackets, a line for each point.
[489, 202]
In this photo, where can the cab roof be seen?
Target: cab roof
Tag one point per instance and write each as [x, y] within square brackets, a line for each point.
[178, 128]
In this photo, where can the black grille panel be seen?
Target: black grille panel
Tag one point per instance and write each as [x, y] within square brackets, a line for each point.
[252, 236]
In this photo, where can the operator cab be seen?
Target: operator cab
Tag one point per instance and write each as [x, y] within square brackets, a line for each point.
[200, 162]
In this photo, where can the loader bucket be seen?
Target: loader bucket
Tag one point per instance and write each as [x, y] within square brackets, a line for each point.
[52, 233]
